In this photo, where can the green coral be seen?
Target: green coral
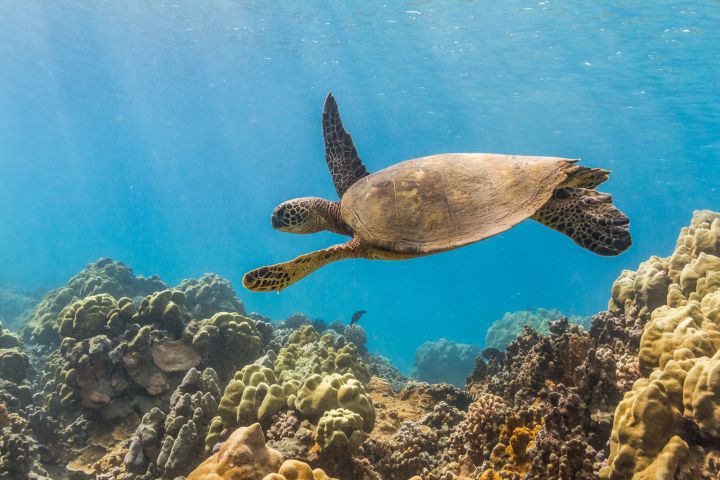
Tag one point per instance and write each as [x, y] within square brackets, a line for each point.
[319, 394]
[13, 364]
[216, 434]
[102, 276]
[308, 353]
[9, 339]
[340, 429]
[165, 310]
[95, 315]
[253, 395]
[210, 294]
[310, 375]
[228, 341]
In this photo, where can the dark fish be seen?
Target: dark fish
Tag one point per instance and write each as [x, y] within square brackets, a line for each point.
[356, 316]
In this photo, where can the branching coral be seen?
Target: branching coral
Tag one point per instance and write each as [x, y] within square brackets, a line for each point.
[167, 445]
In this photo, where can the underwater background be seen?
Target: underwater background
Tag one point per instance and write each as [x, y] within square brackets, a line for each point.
[163, 134]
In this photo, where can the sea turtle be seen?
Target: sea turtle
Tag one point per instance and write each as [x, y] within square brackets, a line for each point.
[441, 202]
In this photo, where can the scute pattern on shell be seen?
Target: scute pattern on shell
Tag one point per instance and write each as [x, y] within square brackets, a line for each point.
[436, 203]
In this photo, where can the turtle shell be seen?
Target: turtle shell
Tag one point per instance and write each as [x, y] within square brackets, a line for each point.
[437, 203]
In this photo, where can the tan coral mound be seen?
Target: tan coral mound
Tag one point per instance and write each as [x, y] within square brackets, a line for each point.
[296, 470]
[244, 456]
[659, 425]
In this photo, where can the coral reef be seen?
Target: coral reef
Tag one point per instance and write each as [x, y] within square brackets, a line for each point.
[15, 305]
[667, 426]
[306, 353]
[208, 295]
[254, 395]
[381, 367]
[444, 361]
[244, 456]
[355, 334]
[166, 445]
[167, 384]
[20, 453]
[228, 340]
[102, 276]
[504, 331]
[310, 375]
[318, 395]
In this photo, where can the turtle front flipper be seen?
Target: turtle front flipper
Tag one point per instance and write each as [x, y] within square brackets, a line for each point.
[589, 218]
[280, 276]
[341, 156]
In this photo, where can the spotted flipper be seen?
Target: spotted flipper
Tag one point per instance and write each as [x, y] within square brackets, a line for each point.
[341, 156]
[589, 218]
[279, 276]
[585, 177]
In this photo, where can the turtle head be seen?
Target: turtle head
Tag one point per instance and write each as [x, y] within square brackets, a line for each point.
[308, 215]
[294, 216]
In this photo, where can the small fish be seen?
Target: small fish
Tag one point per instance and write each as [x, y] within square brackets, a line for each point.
[356, 316]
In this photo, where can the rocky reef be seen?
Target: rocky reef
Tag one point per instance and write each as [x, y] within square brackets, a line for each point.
[15, 305]
[123, 377]
[444, 361]
[504, 331]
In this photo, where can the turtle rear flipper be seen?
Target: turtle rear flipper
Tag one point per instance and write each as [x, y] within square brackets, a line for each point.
[589, 218]
[279, 276]
[586, 177]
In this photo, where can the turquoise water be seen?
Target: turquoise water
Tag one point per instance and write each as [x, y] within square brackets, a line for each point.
[163, 134]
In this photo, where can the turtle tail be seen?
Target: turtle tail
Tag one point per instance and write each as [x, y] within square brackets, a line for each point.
[589, 218]
[282, 275]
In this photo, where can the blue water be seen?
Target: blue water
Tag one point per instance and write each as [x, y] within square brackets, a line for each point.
[163, 134]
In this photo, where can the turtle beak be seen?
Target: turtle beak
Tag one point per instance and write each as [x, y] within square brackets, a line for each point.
[276, 222]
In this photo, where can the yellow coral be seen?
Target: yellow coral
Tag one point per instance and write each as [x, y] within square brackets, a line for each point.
[679, 356]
